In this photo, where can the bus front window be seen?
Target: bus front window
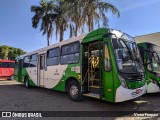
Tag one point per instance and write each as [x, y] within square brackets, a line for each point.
[127, 55]
[153, 61]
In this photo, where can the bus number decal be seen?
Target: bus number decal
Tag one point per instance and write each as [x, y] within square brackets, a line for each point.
[137, 92]
[76, 69]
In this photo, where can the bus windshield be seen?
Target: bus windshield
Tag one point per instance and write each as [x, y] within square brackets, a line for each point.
[6, 64]
[127, 55]
[153, 59]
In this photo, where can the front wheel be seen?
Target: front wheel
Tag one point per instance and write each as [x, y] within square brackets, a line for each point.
[74, 91]
[27, 82]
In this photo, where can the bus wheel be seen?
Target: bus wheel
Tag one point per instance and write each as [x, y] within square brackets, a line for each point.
[27, 82]
[74, 91]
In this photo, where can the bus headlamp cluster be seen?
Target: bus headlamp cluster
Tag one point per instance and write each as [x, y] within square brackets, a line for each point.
[123, 82]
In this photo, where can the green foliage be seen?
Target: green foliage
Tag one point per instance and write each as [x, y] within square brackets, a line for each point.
[10, 53]
[44, 13]
[75, 15]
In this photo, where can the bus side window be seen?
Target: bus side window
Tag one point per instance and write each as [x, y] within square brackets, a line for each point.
[70, 53]
[142, 51]
[15, 65]
[26, 62]
[107, 63]
[53, 56]
[34, 60]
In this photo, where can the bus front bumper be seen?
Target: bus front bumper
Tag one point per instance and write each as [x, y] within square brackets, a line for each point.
[152, 88]
[124, 94]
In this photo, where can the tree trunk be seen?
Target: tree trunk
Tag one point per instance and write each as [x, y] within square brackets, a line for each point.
[61, 33]
[47, 35]
[76, 32]
[47, 40]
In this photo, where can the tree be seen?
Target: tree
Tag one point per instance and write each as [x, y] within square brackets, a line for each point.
[10, 53]
[44, 13]
[89, 13]
[4, 52]
[95, 11]
[73, 14]
[61, 20]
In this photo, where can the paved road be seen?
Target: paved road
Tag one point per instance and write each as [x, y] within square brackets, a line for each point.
[15, 97]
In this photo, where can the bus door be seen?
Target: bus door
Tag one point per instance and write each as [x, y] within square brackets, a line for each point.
[20, 70]
[41, 69]
[17, 71]
[33, 67]
[92, 69]
[108, 74]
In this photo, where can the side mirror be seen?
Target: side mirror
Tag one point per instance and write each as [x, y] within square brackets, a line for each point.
[149, 67]
[148, 63]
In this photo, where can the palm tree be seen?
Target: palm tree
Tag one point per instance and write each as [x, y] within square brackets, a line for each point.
[72, 14]
[61, 20]
[89, 12]
[44, 14]
[74, 10]
[95, 11]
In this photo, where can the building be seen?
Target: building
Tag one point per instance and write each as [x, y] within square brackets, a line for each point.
[151, 38]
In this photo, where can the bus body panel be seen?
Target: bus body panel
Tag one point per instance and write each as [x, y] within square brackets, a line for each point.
[6, 69]
[28, 72]
[6, 72]
[152, 86]
[70, 71]
[123, 94]
[113, 91]
[56, 76]
[107, 93]
[152, 79]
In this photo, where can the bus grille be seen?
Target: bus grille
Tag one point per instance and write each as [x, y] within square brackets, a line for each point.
[135, 77]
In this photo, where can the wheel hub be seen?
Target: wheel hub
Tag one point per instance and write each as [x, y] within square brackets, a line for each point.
[73, 90]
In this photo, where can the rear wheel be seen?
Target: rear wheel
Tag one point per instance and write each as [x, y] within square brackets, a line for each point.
[27, 82]
[74, 91]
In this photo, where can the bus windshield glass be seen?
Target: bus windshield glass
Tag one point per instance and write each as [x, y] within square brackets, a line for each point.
[153, 58]
[127, 54]
[6, 64]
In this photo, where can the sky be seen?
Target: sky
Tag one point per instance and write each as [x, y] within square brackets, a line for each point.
[137, 17]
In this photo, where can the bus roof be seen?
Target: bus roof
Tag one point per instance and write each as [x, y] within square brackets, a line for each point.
[43, 50]
[6, 60]
[99, 31]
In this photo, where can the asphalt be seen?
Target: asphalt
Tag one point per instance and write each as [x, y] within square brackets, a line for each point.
[15, 97]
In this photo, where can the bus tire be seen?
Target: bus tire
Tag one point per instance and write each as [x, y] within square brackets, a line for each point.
[26, 82]
[74, 91]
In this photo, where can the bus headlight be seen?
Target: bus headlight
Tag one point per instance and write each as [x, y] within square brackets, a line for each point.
[123, 82]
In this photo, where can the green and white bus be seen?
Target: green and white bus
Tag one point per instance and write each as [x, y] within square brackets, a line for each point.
[151, 59]
[103, 64]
